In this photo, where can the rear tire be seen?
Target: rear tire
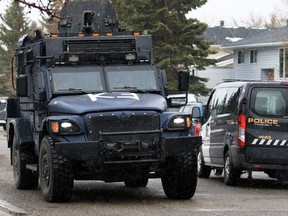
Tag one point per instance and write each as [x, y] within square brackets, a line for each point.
[203, 171]
[23, 178]
[179, 176]
[231, 174]
[56, 178]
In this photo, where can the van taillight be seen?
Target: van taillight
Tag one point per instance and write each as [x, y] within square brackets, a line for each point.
[284, 83]
[241, 130]
[197, 128]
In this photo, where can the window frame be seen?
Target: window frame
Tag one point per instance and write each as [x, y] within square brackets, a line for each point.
[240, 57]
[253, 56]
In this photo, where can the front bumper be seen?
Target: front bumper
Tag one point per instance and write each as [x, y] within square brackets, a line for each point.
[97, 151]
[2, 122]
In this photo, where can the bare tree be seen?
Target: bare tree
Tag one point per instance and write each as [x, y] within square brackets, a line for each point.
[44, 6]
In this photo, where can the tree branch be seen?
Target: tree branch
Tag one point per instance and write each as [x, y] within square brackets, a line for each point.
[43, 8]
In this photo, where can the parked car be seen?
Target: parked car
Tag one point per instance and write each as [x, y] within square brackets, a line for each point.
[3, 113]
[245, 128]
[181, 100]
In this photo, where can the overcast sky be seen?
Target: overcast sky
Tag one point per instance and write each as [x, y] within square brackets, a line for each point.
[228, 10]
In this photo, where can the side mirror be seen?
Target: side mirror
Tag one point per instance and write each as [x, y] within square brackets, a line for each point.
[196, 113]
[183, 80]
[21, 86]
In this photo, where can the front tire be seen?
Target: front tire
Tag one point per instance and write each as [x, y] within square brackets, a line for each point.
[179, 177]
[23, 178]
[56, 178]
[231, 174]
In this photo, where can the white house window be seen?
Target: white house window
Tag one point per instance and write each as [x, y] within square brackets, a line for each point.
[253, 56]
[283, 63]
[240, 57]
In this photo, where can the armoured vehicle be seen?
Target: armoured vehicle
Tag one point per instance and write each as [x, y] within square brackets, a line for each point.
[90, 105]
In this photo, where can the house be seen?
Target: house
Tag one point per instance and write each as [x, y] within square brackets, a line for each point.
[223, 36]
[262, 56]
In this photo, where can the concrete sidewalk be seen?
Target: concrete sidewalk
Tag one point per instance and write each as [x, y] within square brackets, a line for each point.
[4, 213]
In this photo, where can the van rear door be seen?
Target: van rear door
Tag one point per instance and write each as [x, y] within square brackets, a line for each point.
[267, 125]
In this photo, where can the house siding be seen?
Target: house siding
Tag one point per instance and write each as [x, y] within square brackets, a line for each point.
[267, 60]
[215, 75]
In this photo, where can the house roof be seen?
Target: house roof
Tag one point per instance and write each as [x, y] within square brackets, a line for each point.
[270, 37]
[224, 36]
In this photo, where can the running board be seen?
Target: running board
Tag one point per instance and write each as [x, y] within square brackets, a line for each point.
[32, 167]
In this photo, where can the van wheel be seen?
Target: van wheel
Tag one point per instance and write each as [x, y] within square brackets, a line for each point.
[56, 178]
[203, 171]
[231, 174]
[23, 178]
[179, 176]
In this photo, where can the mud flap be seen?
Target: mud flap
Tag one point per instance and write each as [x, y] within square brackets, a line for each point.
[175, 146]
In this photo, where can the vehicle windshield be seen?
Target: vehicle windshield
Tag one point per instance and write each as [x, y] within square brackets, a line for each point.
[91, 79]
[77, 79]
[2, 105]
[131, 78]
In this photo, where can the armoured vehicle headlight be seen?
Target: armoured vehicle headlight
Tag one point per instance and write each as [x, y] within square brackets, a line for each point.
[130, 57]
[73, 58]
[179, 123]
[64, 127]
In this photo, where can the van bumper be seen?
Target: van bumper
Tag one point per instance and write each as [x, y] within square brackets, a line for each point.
[259, 167]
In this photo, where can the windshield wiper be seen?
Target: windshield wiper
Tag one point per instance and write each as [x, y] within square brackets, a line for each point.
[74, 90]
[130, 88]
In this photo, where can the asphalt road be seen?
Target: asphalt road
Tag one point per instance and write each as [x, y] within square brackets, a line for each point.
[259, 196]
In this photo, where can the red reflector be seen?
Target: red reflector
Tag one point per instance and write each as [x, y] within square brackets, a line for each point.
[242, 121]
[256, 165]
[241, 130]
[284, 83]
[197, 129]
[241, 143]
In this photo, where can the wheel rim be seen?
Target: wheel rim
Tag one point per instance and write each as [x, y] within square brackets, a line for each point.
[227, 167]
[199, 162]
[45, 170]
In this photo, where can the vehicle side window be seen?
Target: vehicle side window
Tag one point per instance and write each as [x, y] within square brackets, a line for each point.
[268, 102]
[231, 102]
[209, 106]
[223, 100]
[219, 102]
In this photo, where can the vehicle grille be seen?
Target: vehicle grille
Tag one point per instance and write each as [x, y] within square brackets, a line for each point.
[127, 136]
[122, 122]
[101, 46]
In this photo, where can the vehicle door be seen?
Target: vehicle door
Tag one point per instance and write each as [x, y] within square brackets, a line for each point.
[221, 123]
[267, 126]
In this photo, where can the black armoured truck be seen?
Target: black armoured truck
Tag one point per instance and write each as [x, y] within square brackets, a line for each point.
[90, 105]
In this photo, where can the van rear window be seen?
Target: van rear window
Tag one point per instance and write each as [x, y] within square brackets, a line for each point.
[268, 102]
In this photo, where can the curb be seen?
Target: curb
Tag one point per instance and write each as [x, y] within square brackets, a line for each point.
[7, 209]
